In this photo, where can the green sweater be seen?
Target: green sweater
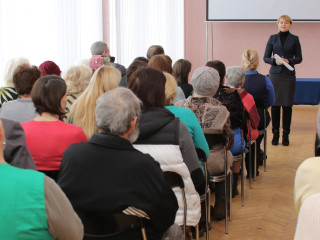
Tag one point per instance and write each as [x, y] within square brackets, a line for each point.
[22, 204]
[193, 125]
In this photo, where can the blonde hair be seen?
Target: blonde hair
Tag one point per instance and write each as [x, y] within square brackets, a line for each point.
[286, 18]
[10, 67]
[170, 88]
[250, 59]
[82, 112]
[77, 78]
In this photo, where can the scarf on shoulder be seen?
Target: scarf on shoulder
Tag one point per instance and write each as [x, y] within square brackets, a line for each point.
[212, 115]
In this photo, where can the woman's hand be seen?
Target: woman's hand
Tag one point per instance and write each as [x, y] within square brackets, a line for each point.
[286, 60]
[280, 63]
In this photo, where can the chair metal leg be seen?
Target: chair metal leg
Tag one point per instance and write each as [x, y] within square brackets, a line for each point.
[255, 161]
[242, 170]
[226, 205]
[250, 166]
[265, 151]
[197, 232]
[265, 142]
[143, 230]
[242, 181]
[226, 189]
[207, 206]
[185, 212]
[230, 195]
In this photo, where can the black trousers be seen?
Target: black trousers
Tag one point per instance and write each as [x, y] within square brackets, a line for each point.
[286, 118]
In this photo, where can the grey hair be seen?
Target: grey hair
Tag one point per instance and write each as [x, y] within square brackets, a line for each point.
[97, 48]
[235, 75]
[115, 109]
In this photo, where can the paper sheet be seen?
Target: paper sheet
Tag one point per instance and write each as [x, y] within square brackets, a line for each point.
[277, 57]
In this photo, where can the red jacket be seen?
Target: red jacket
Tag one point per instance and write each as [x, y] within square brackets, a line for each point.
[250, 107]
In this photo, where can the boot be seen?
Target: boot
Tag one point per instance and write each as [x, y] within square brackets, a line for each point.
[218, 212]
[285, 138]
[235, 185]
[275, 139]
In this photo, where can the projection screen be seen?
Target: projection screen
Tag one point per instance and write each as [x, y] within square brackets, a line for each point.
[262, 10]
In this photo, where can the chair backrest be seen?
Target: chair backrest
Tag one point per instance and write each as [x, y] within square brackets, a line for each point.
[106, 225]
[201, 155]
[175, 180]
[203, 159]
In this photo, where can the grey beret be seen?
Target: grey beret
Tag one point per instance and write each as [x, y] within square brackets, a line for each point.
[205, 81]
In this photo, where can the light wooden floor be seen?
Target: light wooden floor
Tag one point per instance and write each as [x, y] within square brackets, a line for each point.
[268, 212]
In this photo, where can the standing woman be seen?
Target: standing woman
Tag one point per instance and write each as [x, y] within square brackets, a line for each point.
[287, 46]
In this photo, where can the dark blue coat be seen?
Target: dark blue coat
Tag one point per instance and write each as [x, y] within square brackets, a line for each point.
[290, 50]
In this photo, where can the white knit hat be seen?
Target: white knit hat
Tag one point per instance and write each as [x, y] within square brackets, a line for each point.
[205, 81]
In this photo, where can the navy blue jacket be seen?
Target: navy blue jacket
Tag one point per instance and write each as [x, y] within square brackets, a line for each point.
[290, 50]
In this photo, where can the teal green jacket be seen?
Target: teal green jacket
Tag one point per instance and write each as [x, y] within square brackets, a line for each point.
[193, 125]
[22, 204]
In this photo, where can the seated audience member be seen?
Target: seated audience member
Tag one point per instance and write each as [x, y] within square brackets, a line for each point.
[47, 137]
[230, 98]
[154, 50]
[181, 70]
[107, 174]
[104, 79]
[141, 59]
[8, 92]
[77, 79]
[167, 139]
[16, 152]
[134, 66]
[97, 61]
[163, 63]
[261, 88]
[306, 181]
[214, 120]
[22, 109]
[49, 68]
[308, 224]
[235, 77]
[185, 115]
[33, 206]
[101, 48]
[82, 61]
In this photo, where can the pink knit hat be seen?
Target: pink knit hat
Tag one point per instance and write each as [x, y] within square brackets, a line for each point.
[49, 68]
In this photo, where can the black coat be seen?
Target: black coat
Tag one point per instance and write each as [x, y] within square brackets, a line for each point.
[107, 174]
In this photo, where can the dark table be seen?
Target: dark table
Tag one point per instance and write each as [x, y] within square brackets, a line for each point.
[307, 91]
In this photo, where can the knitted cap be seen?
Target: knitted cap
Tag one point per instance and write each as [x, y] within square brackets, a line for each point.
[205, 81]
[49, 68]
[95, 62]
